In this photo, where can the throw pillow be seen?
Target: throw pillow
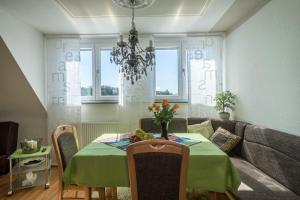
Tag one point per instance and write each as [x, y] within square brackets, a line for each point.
[205, 128]
[225, 140]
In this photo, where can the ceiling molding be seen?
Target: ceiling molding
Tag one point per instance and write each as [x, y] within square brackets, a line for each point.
[112, 10]
[114, 35]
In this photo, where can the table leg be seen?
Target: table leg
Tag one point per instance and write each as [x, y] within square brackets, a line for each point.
[212, 196]
[101, 192]
[10, 177]
[114, 194]
[48, 172]
[111, 193]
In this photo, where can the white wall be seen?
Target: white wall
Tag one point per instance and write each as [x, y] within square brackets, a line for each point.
[30, 126]
[263, 67]
[18, 101]
[27, 46]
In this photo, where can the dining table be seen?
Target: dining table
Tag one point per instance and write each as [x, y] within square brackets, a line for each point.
[101, 165]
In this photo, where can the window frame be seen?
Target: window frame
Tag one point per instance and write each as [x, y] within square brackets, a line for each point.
[99, 97]
[173, 43]
[85, 99]
[96, 44]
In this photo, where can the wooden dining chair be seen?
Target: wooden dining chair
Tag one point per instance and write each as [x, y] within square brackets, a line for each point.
[65, 142]
[158, 170]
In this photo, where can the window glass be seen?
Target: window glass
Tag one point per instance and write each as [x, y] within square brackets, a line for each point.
[86, 71]
[109, 74]
[166, 72]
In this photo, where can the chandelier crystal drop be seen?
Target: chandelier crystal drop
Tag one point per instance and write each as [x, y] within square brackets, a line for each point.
[132, 60]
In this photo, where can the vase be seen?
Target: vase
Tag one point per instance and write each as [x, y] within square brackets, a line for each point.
[164, 130]
[224, 115]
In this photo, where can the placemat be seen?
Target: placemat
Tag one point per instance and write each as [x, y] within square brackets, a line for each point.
[122, 142]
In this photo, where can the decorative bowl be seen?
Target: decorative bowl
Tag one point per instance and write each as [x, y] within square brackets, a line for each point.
[31, 146]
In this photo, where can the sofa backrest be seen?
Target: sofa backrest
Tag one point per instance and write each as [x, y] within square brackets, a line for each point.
[228, 124]
[177, 125]
[275, 153]
[235, 127]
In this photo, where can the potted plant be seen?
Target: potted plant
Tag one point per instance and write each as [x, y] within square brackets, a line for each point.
[163, 114]
[225, 101]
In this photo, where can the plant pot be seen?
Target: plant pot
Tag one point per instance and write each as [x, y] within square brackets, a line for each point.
[164, 130]
[224, 115]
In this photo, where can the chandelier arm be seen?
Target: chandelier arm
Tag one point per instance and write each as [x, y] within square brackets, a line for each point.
[144, 62]
[123, 59]
[141, 58]
[124, 52]
[140, 48]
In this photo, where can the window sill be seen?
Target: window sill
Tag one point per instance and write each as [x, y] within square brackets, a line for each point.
[172, 100]
[100, 102]
[117, 102]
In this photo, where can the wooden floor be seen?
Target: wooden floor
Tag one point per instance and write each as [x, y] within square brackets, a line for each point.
[36, 193]
[39, 193]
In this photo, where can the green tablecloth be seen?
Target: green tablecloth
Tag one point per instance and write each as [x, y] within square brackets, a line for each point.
[101, 165]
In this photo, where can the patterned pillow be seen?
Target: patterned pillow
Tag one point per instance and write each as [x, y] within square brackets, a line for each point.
[205, 129]
[225, 140]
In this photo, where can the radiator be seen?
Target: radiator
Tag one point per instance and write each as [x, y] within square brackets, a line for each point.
[90, 131]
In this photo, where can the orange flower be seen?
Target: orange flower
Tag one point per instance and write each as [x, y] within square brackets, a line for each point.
[176, 106]
[150, 108]
[157, 107]
[165, 102]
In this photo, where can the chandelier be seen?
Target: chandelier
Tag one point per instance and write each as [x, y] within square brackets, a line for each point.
[132, 60]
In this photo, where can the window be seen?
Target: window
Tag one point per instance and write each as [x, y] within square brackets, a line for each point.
[170, 77]
[99, 77]
[86, 71]
[109, 74]
[166, 72]
[188, 69]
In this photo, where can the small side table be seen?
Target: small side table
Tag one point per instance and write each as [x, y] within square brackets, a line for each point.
[18, 172]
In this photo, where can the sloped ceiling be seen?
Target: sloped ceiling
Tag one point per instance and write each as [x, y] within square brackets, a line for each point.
[17, 96]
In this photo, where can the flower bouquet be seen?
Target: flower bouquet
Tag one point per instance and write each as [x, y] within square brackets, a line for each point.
[163, 114]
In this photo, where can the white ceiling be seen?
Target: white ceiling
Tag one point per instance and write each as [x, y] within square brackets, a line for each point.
[103, 17]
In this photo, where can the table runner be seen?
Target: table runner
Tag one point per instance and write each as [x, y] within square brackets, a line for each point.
[100, 165]
[123, 141]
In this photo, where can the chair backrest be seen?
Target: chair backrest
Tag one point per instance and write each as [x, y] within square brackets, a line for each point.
[157, 170]
[65, 143]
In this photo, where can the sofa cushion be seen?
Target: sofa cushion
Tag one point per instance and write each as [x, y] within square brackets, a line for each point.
[275, 153]
[225, 140]
[177, 125]
[239, 131]
[227, 124]
[205, 129]
[259, 186]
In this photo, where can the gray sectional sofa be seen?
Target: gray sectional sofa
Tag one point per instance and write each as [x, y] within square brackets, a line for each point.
[267, 160]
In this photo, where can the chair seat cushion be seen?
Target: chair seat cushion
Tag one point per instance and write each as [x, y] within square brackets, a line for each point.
[259, 186]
